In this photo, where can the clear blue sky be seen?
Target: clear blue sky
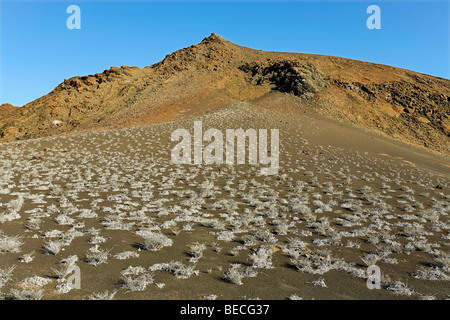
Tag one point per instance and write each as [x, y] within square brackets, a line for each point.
[38, 51]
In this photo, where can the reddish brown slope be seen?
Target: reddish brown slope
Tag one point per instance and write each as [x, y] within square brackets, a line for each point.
[404, 104]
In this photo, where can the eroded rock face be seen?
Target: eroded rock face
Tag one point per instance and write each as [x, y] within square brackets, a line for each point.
[303, 80]
[419, 106]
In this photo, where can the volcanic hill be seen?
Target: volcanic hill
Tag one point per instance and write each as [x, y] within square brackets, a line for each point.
[405, 105]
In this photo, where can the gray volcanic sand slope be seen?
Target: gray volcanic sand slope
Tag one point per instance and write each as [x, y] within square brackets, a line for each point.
[140, 227]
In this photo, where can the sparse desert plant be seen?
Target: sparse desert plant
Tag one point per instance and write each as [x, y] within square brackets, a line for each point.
[234, 275]
[138, 283]
[57, 191]
[320, 283]
[430, 214]
[97, 239]
[433, 273]
[16, 204]
[154, 241]
[294, 247]
[385, 186]
[354, 205]
[64, 219]
[413, 230]
[370, 259]
[196, 251]
[168, 224]
[34, 223]
[25, 294]
[114, 222]
[365, 189]
[180, 270]
[10, 243]
[351, 244]
[26, 258]
[282, 228]
[294, 297]
[187, 227]
[212, 223]
[35, 281]
[60, 274]
[53, 247]
[315, 263]
[265, 235]
[6, 275]
[443, 260]
[262, 257]
[226, 235]
[102, 295]
[6, 217]
[126, 255]
[407, 189]
[97, 257]
[133, 271]
[427, 297]
[217, 249]
[235, 250]
[373, 239]
[87, 213]
[399, 287]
